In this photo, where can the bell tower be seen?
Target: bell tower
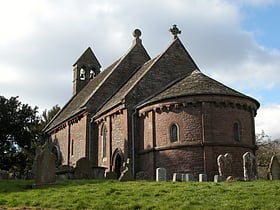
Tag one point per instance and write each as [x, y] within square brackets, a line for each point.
[85, 69]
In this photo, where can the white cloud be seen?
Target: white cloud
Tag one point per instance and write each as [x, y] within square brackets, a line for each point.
[41, 39]
[268, 120]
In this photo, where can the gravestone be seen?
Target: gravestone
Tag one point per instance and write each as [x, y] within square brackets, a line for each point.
[177, 177]
[160, 174]
[142, 175]
[189, 178]
[274, 169]
[83, 169]
[126, 174]
[65, 172]
[202, 178]
[45, 167]
[225, 165]
[110, 175]
[249, 166]
[218, 178]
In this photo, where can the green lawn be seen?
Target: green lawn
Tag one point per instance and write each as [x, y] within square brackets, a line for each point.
[94, 194]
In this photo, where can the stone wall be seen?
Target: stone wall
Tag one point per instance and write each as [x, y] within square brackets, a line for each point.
[205, 132]
[71, 140]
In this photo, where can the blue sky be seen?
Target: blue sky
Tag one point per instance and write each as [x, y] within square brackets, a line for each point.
[235, 42]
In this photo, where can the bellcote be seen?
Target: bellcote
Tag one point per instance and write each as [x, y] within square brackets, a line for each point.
[85, 68]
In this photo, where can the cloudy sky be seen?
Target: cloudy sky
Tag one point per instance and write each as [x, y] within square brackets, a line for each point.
[236, 42]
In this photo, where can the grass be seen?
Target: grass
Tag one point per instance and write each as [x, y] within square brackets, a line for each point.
[96, 194]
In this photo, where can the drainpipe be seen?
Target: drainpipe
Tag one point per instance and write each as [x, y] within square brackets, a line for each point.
[133, 140]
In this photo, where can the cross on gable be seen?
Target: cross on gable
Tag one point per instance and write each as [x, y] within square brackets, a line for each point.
[175, 31]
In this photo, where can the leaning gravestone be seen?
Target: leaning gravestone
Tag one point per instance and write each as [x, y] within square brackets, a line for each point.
[160, 174]
[249, 166]
[83, 169]
[274, 169]
[225, 165]
[45, 167]
[126, 175]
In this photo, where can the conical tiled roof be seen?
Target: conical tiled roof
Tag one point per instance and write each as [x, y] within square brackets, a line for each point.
[195, 84]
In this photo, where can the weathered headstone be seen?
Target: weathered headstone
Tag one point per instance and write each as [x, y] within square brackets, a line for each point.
[177, 177]
[126, 174]
[225, 165]
[83, 169]
[274, 169]
[189, 178]
[249, 166]
[218, 178]
[45, 167]
[202, 178]
[110, 175]
[65, 172]
[98, 172]
[160, 174]
[142, 175]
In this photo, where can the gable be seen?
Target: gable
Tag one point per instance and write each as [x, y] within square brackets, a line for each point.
[170, 65]
[99, 89]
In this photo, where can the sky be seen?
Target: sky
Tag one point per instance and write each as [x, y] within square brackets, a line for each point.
[233, 41]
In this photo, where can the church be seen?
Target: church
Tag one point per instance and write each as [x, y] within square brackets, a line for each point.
[156, 112]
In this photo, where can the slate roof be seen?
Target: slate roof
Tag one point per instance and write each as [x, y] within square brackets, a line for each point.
[195, 83]
[87, 57]
[119, 97]
[77, 103]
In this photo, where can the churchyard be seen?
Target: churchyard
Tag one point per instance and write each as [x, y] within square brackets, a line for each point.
[113, 194]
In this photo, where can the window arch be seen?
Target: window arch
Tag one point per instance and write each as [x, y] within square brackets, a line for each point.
[82, 74]
[174, 133]
[236, 131]
[104, 140]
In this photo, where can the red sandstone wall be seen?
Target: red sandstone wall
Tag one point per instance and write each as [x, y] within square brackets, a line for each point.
[78, 134]
[117, 137]
[61, 139]
[205, 131]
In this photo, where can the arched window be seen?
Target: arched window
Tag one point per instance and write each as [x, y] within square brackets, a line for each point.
[236, 131]
[91, 74]
[103, 140]
[174, 133]
[82, 74]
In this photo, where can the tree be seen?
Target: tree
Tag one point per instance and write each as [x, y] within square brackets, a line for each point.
[47, 116]
[266, 149]
[18, 134]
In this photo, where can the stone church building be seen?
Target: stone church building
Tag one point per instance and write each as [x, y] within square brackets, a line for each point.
[158, 112]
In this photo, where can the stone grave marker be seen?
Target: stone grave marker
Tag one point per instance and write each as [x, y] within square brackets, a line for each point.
[160, 174]
[110, 175]
[249, 166]
[177, 177]
[202, 178]
[83, 169]
[218, 178]
[225, 165]
[45, 167]
[189, 177]
[126, 174]
[274, 169]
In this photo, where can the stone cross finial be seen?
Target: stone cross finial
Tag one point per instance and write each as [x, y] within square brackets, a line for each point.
[136, 33]
[175, 31]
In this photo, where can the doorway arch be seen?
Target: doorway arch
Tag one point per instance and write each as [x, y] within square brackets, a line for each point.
[117, 162]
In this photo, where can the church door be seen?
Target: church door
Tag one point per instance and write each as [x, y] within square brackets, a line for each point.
[118, 165]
